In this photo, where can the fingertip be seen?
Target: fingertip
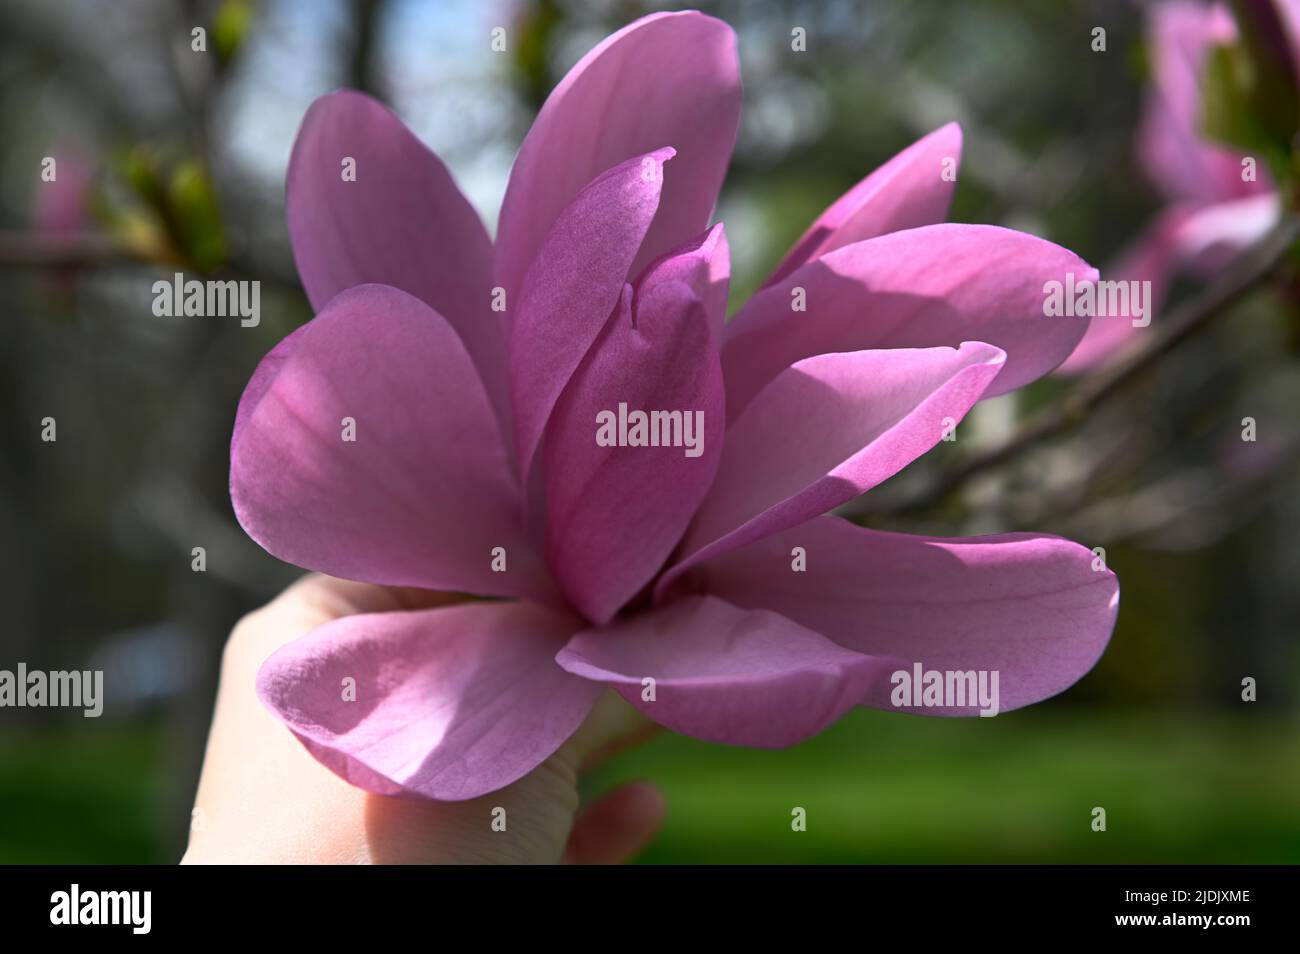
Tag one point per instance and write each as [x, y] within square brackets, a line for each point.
[618, 826]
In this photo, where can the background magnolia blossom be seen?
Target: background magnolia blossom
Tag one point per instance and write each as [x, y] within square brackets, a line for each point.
[1220, 201]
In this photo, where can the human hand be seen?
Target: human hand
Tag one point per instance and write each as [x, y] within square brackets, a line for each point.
[263, 799]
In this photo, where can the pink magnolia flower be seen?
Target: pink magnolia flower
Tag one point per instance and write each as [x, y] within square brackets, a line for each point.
[61, 211]
[1215, 210]
[62, 205]
[718, 576]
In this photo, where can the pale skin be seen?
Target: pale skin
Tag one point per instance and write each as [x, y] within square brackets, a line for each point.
[263, 799]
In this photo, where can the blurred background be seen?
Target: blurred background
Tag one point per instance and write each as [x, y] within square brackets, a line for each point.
[172, 159]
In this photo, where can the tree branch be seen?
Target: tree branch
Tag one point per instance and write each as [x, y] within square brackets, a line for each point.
[48, 250]
[96, 250]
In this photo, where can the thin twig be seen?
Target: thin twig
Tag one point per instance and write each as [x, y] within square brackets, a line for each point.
[94, 250]
[49, 250]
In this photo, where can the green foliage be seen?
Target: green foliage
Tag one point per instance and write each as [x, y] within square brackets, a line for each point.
[195, 215]
[1273, 76]
[230, 27]
[1250, 98]
[532, 37]
[140, 168]
[170, 211]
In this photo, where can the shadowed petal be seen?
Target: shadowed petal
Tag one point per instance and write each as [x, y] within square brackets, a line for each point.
[828, 429]
[1029, 606]
[937, 285]
[912, 189]
[402, 222]
[615, 512]
[726, 675]
[421, 494]
[447, 703]
[669, 79]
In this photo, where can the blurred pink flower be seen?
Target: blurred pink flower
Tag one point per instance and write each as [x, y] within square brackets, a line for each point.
[475, 437]
[61, 212]
[62, 205]
[1215, 211]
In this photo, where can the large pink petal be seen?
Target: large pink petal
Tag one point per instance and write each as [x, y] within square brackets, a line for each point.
[423, 494]
[402, 222]
[936, 285]
[447, 703]
[726, 675]
[669, 79]
[704, 264]
[614, 512]
[1029, 606]
[908, 191]
[828, 429]
[573, 285]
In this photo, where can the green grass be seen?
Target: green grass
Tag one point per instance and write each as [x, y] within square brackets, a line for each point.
[877, 787]
[80, 796]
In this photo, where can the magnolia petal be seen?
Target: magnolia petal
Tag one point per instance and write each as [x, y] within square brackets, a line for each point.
[925, 287]
[401, 221]
[365, 448]
[669, 79]
[708, 669]
[572, 287]
[704, 264]
[912, 189]
[599, 497]
[828, 429]
[447, 703]
[1037, 609]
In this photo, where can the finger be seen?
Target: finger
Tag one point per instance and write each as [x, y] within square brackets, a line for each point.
[617, 827]
[336, 597]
